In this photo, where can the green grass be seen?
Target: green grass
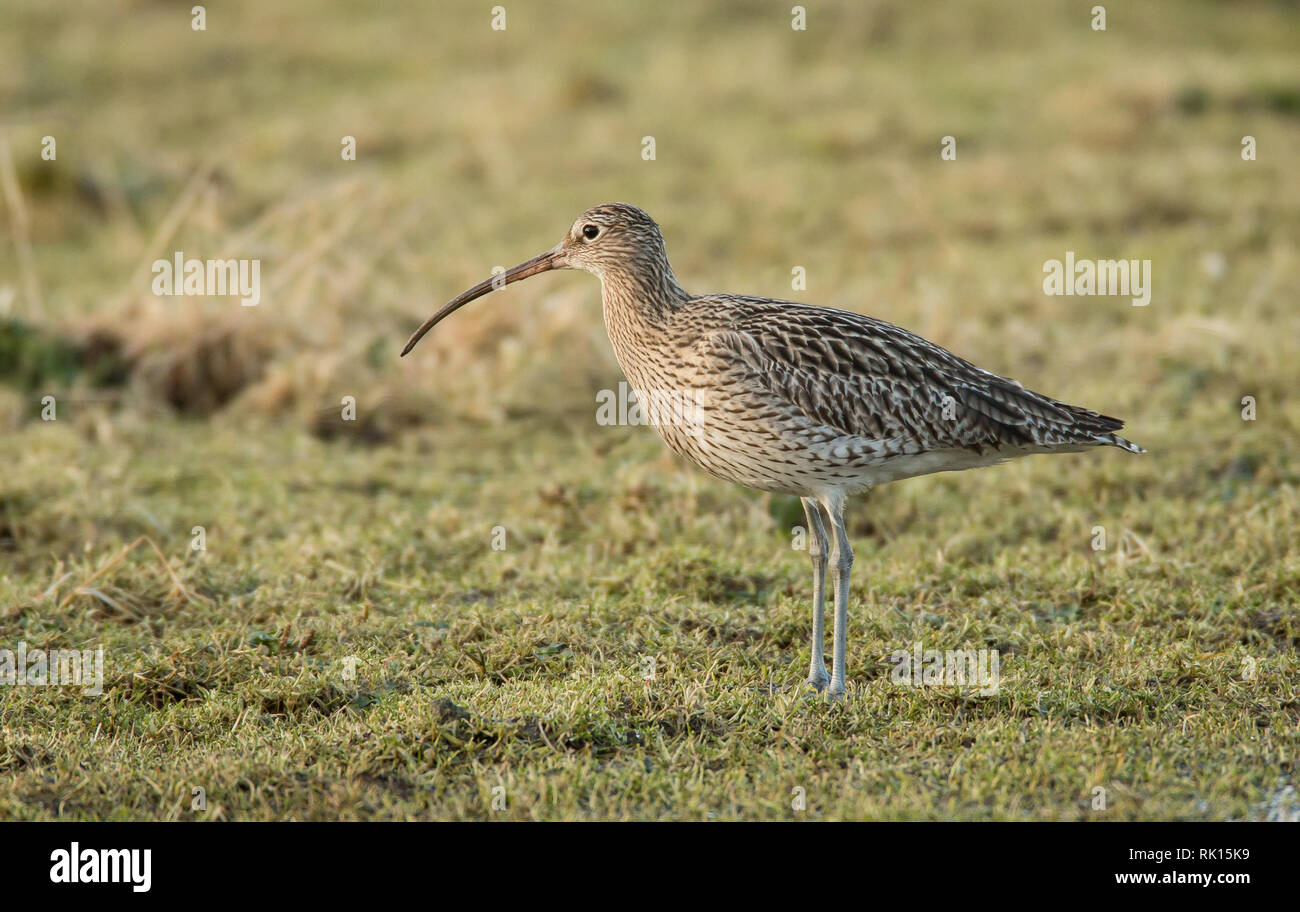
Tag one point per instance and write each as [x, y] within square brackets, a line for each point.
[1162, 668]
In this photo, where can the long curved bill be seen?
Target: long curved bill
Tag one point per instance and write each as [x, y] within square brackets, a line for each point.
[551, 259]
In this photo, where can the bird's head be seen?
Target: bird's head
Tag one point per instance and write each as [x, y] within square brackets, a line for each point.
[605, 239]
[612, 236]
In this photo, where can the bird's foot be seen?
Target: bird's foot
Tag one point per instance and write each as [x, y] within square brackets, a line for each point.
[835, 693]
[818, 679]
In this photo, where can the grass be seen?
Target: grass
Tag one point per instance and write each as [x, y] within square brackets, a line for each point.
[350, 643]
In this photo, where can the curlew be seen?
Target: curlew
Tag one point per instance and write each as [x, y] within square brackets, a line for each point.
[797, 399]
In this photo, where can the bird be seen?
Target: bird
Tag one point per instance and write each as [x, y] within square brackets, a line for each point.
[796, 399]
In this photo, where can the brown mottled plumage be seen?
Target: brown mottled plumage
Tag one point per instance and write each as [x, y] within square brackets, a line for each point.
[796, 399]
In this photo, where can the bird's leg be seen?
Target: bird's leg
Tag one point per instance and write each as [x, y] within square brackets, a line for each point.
[843, 558]
[818, 548]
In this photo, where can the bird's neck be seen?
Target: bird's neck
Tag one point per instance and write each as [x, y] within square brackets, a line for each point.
[641, 300]
[639, 313]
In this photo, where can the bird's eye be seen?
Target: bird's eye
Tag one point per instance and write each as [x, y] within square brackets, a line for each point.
[590, 232]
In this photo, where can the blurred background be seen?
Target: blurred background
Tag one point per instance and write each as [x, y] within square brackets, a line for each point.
[774, 148]
[328, 540]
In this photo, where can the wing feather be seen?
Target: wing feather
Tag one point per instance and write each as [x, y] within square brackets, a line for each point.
[866, 378]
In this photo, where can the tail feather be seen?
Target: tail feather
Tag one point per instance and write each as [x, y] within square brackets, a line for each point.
[1102, 428]
[1116, 440]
